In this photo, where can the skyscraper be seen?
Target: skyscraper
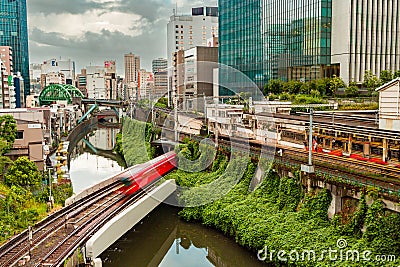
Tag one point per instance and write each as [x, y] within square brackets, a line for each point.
[14, 33]
[188, 31]
[306, 40]
[159, 64]
[132, 68]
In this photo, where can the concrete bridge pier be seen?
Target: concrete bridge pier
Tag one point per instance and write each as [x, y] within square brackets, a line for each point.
[336, 204]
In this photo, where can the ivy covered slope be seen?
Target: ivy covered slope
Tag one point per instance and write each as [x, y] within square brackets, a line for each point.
[279, 216]
[134, 141]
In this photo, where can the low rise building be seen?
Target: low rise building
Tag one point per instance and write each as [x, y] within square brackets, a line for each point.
[29, 143]
[389, 105]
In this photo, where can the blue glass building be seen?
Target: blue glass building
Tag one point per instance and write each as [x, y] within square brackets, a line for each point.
[240, 44]
[276, 39]
[14, 33]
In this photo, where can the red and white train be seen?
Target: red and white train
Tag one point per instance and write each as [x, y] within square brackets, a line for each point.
[148, 174]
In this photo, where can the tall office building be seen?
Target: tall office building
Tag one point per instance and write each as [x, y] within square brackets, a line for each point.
[188, 31]
[365, 36]
[132, 68]
[14, 33]
[159, 64]
[279, 39]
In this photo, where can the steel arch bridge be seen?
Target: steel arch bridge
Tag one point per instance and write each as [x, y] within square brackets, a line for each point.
[58, 92]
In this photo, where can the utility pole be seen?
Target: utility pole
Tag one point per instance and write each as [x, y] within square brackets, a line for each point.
[216, 123]
[51, 185]
[310, 139]
[175, 99]
[131, 106]
[309, 168]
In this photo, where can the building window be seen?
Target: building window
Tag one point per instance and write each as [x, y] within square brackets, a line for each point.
[19, 135]
[176, 26]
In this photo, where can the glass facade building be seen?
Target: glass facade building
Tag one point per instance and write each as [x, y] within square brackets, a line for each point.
[240, 43]
[14, 33]
[277, 39]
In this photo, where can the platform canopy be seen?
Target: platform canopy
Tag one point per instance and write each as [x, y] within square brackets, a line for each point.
[58, 92]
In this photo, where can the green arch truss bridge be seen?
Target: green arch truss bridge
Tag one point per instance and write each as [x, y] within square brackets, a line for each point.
[58, 92]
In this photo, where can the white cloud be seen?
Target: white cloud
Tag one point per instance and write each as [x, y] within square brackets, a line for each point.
[94, 30]
[92, 21]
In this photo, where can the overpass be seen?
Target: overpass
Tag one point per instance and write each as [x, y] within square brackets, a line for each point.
[93, 219]
[105, 102]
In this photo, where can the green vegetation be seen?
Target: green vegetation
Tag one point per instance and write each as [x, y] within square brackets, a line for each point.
[23, 193]
[23, 173]
[280, 216]
[134, 141]
[8, 132]
[320, 87]
[318, 90]
[162, 103]
[18, 209]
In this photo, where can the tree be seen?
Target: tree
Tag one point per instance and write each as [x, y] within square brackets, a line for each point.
[336, 83]
[352, 89]
[23, 173]
[8, 131]
[274, 86]
[292, 87]
[371, 82]
[4, 161]
[320, 85]
[396, 74]
[386, 76]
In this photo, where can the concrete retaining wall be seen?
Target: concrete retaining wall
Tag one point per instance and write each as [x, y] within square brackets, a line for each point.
[126, 220]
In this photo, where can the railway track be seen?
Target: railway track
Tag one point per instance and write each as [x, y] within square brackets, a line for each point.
[386, 177]
[81, 232]
[57, 237]
[350, 176]
[19, 246]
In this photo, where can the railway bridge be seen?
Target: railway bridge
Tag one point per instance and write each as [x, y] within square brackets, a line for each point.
[91, 221]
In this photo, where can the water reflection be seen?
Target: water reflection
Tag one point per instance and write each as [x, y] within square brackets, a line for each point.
[162, 239]
[93, 160]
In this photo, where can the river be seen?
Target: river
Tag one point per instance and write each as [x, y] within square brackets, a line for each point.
[161, 239]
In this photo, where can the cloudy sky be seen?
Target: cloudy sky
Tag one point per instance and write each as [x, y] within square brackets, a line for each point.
[91, 31]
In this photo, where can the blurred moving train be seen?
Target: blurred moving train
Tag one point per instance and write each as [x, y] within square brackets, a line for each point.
[151, 171]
